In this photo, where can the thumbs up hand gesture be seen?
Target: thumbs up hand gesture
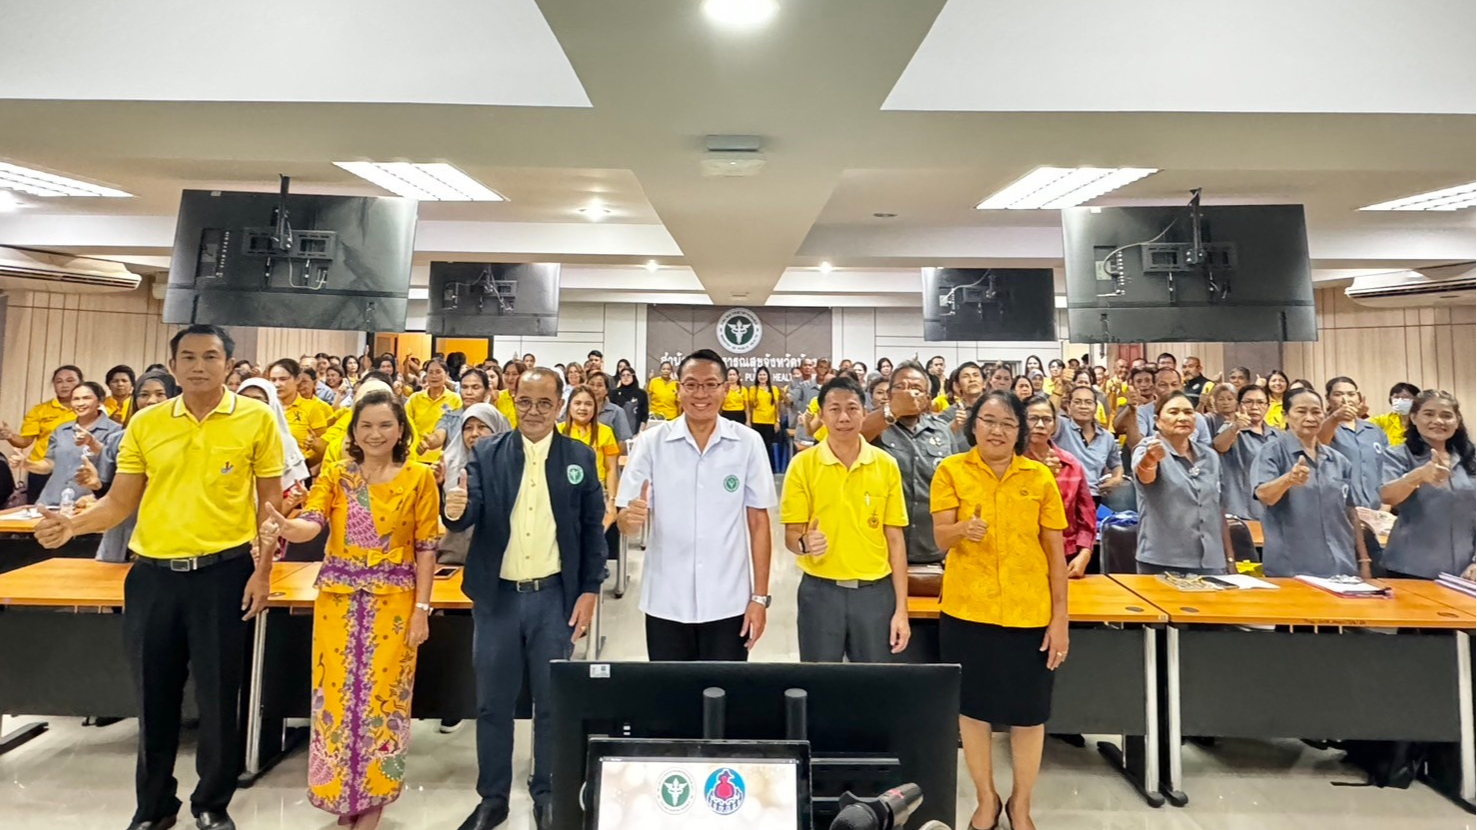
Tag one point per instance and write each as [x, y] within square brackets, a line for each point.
[633, 518]
[456, 498]
[1438, 469]
[1298, 475]
[1155, 449]
[54, 529]
[975, 527]
[1052, 461]
[813, 541]
[87, 475]
[271, 528]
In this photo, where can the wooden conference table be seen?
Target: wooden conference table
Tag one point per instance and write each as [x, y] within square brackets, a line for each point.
[19, 548]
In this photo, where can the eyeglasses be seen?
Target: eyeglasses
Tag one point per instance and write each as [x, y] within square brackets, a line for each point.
[693, 387]
[1033, 420]
[992, 425]
[542, 407]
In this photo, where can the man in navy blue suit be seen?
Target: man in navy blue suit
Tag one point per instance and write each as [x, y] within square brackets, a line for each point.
[533, 574]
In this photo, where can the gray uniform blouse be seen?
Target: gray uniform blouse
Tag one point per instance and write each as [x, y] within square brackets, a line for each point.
[1434, 529]
[1309, 531]
[1364, 446]
[918, 452]
[62, 451]
[1099, 458]
[114, 544]
[1236, 464]
[1180, 518]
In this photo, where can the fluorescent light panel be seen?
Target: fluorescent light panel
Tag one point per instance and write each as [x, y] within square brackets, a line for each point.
[1451, 198]
[428, 182]
[50, 185]
[1054, 188]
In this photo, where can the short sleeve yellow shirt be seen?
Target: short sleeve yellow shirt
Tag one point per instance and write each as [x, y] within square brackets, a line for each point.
[304, 416]
[853, 506]
[1002, 579]
[764, 402]
[1392, 425]
[201, 492]
[662, 396]
[41, 421]
[604, 444]
[424, 412]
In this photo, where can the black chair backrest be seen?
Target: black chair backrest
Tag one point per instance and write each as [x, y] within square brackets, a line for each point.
[1120, 549]
[1241, 545]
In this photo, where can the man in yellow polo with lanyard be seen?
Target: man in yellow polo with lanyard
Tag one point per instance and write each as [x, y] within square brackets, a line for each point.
[844, 516]
[195, 469]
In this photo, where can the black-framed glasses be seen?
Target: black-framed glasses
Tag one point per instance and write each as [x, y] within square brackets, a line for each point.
[693, 387]
[542, 407]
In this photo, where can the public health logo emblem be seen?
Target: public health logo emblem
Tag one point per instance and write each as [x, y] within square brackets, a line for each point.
[725, 791]
[739, 330]
[731, 484]
[675, 794]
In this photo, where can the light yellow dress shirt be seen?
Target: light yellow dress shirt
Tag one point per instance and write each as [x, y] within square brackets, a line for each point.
[533, 548]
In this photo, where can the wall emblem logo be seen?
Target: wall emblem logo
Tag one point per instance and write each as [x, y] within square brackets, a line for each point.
[739, 330]
[724, 791]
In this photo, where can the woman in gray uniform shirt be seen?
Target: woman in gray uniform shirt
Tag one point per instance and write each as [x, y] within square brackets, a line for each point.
[1178, 482]
[1310, 523]
[151, 388]
[1428, 479]
[1239, 441]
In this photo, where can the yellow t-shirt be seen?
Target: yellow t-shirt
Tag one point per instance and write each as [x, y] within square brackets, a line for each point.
[765, 403]
[41, 421]
[201, 496]
[304, 417]
[533, 548]
[662, 397]
[1392, 425]
[853, 506]
[734, 399]
[425, 413]
[604, 444]
[1275, 416]
[1002, 579]
[940, 403]
[504, 404]
[118, 410]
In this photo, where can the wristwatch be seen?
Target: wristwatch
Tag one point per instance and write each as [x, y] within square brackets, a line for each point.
[423, 606]
[887, 414]
[762, 599]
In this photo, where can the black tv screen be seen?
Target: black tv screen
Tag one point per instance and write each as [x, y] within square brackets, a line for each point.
[337, 262]
[988, 304]
[1134, 274]
[480, 299]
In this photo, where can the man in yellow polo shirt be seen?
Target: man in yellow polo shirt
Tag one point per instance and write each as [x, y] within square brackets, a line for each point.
[844, 516]
[195, 469]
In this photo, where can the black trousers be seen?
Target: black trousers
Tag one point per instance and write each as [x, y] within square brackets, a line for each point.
[668, 641]
[35, 483]
[767, 434]
[178, 625]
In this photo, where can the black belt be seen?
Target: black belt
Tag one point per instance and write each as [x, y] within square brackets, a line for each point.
[185, 564]
[851, 583]
[528, 586]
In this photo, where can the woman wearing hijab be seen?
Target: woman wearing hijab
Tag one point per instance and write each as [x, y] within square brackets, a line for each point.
[150, 389]
[629, 395]
[294, 466]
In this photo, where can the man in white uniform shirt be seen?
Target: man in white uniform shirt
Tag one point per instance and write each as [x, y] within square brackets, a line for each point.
[706, 485]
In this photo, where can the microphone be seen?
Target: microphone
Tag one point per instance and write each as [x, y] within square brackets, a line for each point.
[890, 810]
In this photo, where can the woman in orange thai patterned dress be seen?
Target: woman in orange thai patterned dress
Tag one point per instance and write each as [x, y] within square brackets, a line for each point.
[374, 594]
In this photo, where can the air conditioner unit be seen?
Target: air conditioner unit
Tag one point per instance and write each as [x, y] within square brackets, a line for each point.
[1435, 286]
[25, 269]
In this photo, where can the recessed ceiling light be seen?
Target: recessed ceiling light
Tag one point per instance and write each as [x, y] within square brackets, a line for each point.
[1053, 188]
[9, 203]
[50, 185]
[1451, 198]
[825, 267]
[595, 212]
[652, 266]
[428, 182]
[740, 14]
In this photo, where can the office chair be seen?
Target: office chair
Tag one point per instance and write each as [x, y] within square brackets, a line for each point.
[1120, 545]
[1241, 545]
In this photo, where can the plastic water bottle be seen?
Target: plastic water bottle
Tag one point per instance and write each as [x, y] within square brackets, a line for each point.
[69, 502]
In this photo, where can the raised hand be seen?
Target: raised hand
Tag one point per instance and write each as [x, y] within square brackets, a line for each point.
[271, 528]
[1437, 471]
[814, 541]
[633, 518]
[1298, 475]
[87, 475]
[54, 529]
[456, 498]
[959, 418]
[1155, 450]
[1243, 421]
[1052, 461]
[975, 528]
[5, 432]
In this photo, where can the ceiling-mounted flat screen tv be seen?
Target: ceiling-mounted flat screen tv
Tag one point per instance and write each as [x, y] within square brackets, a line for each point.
[483, 299]
[988, 304]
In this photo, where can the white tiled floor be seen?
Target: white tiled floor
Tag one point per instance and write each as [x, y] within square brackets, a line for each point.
[73, 778]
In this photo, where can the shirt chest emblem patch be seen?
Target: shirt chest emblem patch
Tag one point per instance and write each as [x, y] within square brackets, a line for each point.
[935, 441]
[228, 469]
[873, 522]
[731, 483]
[575, 473]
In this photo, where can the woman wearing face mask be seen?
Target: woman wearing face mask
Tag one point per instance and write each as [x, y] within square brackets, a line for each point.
[119, 402]
[73, 447]
[1178, 483]
[149, 390]
[1277, 384]
[629, 396]
[662, 392]
[1396, 422]
[1071, 482]
[382, 517]
[582, 426]
[426, 407]
[1429, 479]
[1309, 519]
[1004, 603]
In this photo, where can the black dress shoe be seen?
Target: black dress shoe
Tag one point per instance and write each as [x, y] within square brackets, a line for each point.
[157, 824]
[210, 820]
[489, 814]
[543, 817]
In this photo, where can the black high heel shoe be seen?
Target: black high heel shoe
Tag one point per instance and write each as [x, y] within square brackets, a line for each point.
[999, 808]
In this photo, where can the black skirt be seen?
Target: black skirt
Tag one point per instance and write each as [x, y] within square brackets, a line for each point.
[734, 415]
[1003, 679]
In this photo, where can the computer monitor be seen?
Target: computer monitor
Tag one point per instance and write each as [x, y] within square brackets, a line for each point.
[1015, 304]
[291, 260]
[1232, 273]
[691, 785]
[485, 299]
[869, 726]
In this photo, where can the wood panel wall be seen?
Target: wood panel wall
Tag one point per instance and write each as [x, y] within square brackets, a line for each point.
[1429, 347]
